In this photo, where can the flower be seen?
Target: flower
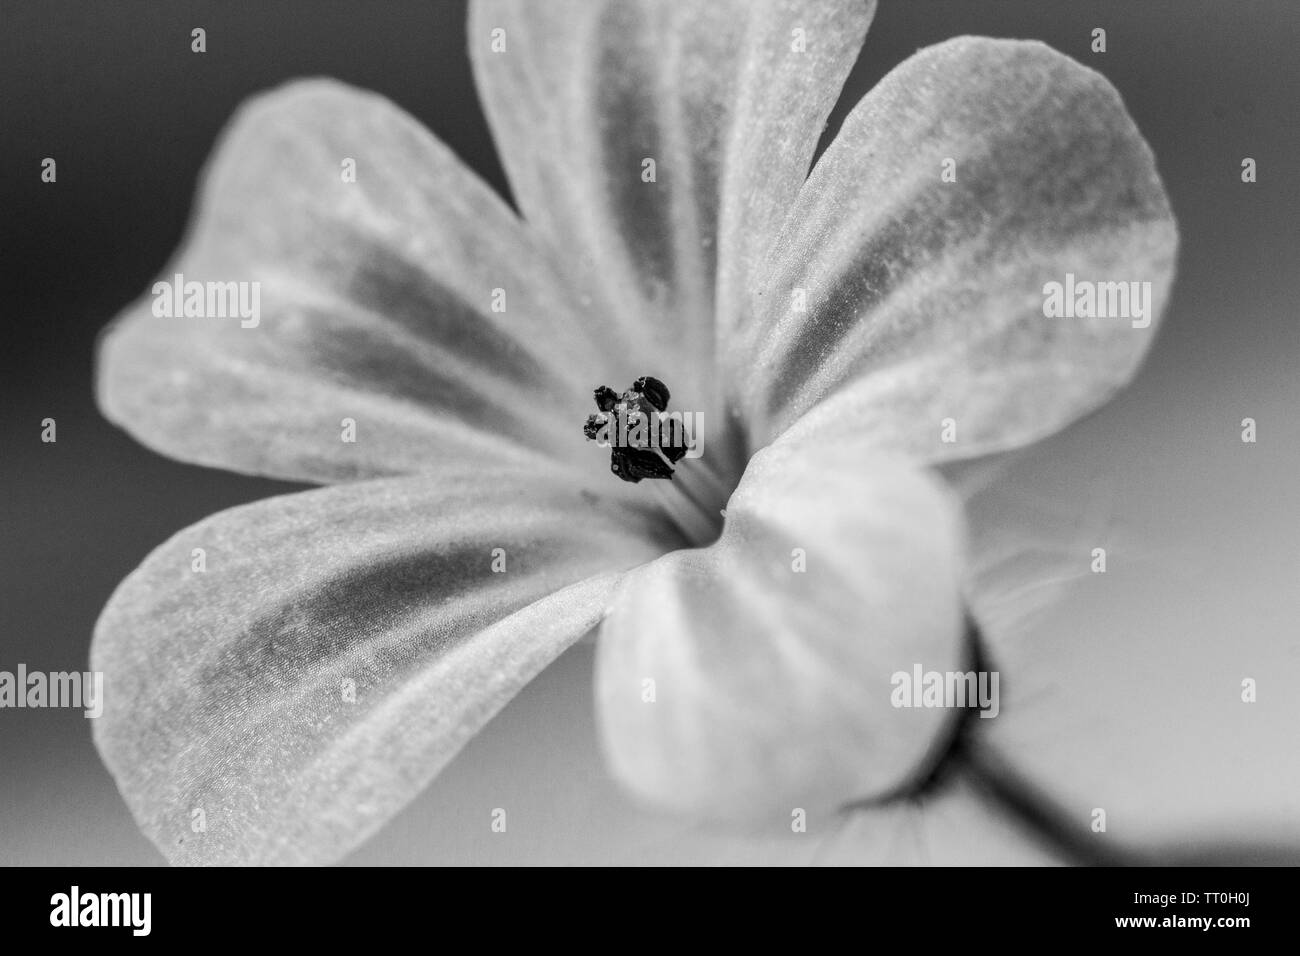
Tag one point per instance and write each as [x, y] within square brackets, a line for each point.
[340, 645]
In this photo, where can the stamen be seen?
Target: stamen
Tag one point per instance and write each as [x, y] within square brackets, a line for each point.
[699, 526]
[633, 464]
[702, 483]
[644, 401]
[605, 398]
[695, 500]
[655, 392]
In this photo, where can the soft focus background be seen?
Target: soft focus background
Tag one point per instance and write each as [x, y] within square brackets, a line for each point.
[1127, 694]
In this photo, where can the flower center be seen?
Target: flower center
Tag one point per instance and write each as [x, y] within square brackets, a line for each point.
[646, 441]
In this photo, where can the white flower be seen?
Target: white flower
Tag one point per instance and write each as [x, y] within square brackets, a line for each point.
[344, 643]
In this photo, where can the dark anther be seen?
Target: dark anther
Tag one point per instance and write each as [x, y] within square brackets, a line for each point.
[594, 424]
[655, 392]
[605, 398]
[633, 464]
[642, 445]
[672, 440]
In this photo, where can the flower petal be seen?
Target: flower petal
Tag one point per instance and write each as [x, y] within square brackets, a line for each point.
[376, 302]
[339, 649]
[728, 98]
[925, 298]
[772, 687]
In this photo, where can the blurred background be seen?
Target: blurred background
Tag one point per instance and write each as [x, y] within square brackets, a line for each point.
[1130, 698]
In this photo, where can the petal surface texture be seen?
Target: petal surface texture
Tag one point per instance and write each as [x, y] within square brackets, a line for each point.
[410, 301]
[658, 146]
[770, 655]
[897, 300]
[339, 648]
